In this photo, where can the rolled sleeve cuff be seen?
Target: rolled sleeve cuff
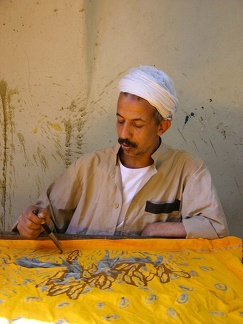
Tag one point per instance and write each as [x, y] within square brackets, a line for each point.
[201, 227]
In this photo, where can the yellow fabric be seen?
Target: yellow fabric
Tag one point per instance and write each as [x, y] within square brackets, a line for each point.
[122, 281]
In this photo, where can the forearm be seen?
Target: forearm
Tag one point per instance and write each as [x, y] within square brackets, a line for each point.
[165, 229]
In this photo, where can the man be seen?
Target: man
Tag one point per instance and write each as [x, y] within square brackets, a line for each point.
[138, 187]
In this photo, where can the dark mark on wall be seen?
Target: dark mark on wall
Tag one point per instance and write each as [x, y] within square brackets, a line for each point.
[237, 185]
[213, 147]
[222, 129]
[181, 134]
[195, 145]
[192, 114]
[204, 140]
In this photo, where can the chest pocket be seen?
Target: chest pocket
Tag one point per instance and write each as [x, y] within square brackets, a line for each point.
[162, 208]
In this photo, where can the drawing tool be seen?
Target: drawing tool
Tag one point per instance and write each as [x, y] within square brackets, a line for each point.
[49, 231]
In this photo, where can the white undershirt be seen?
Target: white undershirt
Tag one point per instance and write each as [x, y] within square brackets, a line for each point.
[132, 179]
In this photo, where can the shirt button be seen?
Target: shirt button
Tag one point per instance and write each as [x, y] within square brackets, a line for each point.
[116, 205]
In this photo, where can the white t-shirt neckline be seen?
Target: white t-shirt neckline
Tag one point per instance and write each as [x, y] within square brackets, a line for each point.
[132, 181]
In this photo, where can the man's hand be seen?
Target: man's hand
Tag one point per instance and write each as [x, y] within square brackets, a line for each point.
[167, 229]
[29, 223]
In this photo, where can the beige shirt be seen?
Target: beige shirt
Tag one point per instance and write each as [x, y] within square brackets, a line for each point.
[87, 197]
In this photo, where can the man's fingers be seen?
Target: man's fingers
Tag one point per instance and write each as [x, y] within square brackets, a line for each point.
[42, 214]
[30, 221]
[33, 224]
[27, 232]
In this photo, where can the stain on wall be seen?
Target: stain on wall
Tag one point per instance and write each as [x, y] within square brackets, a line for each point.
[73, 125]
[69, 122]
[7, 148]
[64, 135]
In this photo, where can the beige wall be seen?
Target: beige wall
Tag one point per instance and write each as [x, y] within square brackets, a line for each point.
[61, 60]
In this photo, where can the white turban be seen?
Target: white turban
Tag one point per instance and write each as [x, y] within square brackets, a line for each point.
[152, 85]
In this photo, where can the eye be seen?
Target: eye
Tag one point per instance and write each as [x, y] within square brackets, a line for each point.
[137, 125]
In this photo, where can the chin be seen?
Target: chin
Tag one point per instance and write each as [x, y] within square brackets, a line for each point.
[133, 154]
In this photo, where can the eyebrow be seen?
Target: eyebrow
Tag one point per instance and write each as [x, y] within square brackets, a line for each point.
[134, 119]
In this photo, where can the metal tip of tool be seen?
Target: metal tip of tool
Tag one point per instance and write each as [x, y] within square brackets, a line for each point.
[52, 236]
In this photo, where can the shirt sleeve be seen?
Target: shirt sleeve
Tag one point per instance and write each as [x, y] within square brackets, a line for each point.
[202, 212]
[61, 198]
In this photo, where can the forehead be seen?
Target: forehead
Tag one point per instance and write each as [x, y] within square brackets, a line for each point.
[134, 107]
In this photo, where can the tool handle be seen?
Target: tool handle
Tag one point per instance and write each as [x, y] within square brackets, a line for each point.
[47, 228]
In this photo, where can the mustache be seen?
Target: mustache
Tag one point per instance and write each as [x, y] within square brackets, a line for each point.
[127, 142]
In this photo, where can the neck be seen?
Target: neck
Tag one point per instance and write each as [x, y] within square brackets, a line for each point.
[135, 162]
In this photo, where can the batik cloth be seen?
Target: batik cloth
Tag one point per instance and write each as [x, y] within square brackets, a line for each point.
[122, 281]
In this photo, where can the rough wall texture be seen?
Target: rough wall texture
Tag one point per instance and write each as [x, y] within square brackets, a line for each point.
[60, 62]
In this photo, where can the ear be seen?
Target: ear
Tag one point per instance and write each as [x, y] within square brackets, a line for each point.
[163, 126]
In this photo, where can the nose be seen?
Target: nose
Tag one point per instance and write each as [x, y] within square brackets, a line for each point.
[125, 131]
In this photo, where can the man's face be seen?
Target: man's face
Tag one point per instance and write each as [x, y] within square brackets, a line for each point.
[137, 130]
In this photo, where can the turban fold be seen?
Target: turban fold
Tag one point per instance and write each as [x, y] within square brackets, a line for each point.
[152, 85]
